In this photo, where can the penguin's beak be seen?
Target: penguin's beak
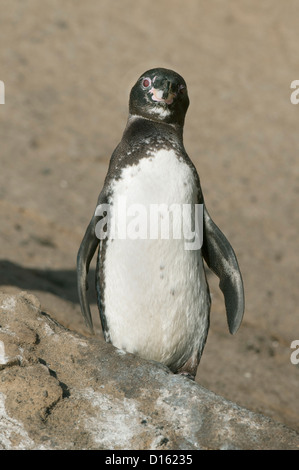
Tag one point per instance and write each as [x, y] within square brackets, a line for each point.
[164, 94]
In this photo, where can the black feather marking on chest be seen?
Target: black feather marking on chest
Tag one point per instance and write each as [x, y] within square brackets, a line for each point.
[143, 137]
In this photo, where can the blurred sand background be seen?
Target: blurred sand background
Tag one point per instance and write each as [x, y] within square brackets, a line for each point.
[68, 67]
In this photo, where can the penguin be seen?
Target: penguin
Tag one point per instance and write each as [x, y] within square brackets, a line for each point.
[152, 291]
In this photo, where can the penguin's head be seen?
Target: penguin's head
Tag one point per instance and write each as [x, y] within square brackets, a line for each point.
[160, 95]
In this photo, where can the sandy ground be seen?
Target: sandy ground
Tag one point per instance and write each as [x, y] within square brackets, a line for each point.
[68, 68]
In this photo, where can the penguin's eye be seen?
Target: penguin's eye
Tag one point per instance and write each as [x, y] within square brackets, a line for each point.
[146, 82]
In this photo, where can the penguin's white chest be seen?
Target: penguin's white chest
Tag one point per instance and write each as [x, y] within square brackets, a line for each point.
[156, 301]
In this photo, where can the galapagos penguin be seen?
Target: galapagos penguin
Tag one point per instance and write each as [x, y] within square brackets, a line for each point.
[152, 291]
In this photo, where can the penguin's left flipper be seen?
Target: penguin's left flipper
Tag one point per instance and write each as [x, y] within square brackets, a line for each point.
[85, 254]
[221, 259]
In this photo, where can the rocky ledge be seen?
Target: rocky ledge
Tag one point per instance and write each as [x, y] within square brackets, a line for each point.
[62, 390]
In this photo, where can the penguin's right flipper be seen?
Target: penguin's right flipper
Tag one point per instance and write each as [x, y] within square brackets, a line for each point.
[85, 254]
[220, 257]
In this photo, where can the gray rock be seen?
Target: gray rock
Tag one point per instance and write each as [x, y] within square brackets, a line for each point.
[61, 390]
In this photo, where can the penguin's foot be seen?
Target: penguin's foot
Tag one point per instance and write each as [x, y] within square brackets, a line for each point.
[189, 369]
[187, 375]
